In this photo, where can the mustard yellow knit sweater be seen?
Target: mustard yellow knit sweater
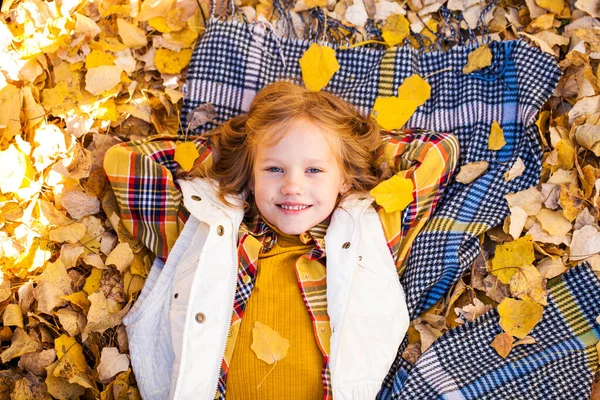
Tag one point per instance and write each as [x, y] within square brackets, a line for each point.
[277, 302]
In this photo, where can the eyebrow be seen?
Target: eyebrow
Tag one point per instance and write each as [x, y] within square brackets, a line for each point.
[309, 161]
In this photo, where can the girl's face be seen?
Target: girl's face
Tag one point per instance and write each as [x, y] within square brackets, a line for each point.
[297, 181]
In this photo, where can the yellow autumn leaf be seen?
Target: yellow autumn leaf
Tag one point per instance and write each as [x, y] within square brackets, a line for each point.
[315, 3]
[185, 154]
[528, 284]
[565, 154]
[496, 139]
[92, 282]
[20, 173]
[414, 88]
[267, 344]
[554, 222]
[131, 35]
[511, 256]
[479, 58]
[100, 79]
[395, 30]
[519, 317]
[97, 58]
[394, 194]
[172, 62]
[13, 316]
[318, 65]
[160, 24]
[392, 112]
[554, 6]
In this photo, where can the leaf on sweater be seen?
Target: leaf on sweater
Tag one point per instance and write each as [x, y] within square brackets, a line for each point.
[267, 344]
[519, 317]
[318, 64]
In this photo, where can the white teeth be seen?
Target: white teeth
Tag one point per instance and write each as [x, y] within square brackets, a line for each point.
[295, 208]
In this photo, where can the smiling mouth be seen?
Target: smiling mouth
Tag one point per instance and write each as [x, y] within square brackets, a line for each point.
[293, 208]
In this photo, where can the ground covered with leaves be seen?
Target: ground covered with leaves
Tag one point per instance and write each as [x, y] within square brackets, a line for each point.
[77, 77]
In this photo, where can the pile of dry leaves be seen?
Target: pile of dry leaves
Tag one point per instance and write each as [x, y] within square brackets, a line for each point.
[78, 76]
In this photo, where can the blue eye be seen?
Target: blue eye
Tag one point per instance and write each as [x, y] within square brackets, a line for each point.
[314, 170]
[274, 169]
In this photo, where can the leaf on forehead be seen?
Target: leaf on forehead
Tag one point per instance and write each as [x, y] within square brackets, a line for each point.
[318, 65]
[496, 139]
[479, 58]
[395, 30]
[394, 194]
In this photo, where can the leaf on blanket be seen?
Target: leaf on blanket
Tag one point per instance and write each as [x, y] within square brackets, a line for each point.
[512, 256]
[519, 317]
[318, 64]
[496, 139]
[395, 30]
[503, 344]
[515, 171]
[393, 112]
[479, 58]
[471, 171]
[185, 154]
[394, 194]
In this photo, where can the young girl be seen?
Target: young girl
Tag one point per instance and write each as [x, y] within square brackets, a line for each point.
[282, 235]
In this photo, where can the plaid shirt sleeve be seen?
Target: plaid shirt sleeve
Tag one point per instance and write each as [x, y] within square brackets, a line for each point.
[142, 177]
[429, 160]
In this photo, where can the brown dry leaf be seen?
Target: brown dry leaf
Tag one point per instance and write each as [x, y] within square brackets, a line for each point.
[111, 363]
[29, 387]
[79, 204]
[515, 171]
[21, 343]
[36, 363]
[428, 335]
[525, 340]
[471, 171]
[529, 200]
[495, 289]
[503, 343]
[121, 257]
[72, 321]
[470, 312]
[585, 243]
[518, 217]
[71, 233]
[479, 58]
[572, 201]
[551, 267]
[519, 317]
[13, 316]
[99, 318]
[554, 222]
[496, 139]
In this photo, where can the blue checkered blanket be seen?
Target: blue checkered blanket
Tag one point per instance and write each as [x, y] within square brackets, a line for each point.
[234, 60]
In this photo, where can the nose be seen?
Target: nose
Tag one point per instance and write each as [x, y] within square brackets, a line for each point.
[292, 186]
